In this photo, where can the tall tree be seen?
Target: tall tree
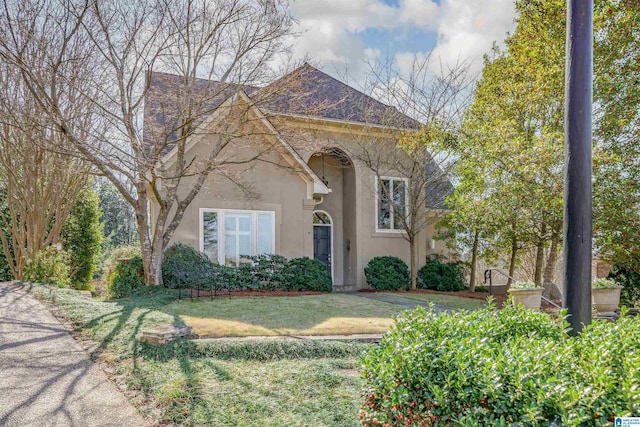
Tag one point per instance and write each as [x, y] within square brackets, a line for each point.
[431, 101]
[39, 182]
[617, 132]
[118, 217]
[82, 236]
[513, 132]
[103, 52]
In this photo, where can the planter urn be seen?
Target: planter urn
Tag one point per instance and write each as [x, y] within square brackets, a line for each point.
[529, 297]
[606, 298]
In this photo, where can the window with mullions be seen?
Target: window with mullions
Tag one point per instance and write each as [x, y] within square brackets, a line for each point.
[228, 235]
[391, 203]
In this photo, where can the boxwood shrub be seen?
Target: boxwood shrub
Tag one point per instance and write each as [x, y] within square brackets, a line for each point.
[183, 266]
[306, 274]
[387, 273]
[441, 276]
[501, 367]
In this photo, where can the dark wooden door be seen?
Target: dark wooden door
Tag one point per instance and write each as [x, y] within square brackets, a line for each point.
[322, 245]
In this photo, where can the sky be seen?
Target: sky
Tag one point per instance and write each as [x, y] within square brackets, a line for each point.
[342, 35]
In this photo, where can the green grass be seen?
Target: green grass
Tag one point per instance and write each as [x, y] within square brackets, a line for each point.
[330, 314]
[446, 300]
[265, 383]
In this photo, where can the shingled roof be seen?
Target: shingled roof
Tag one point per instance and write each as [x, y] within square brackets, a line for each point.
[306, 91]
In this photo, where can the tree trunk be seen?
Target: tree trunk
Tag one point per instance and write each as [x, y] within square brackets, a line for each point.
[550, 288]
[474, 261]
[537, 275]
[512, 262]
[412, 255]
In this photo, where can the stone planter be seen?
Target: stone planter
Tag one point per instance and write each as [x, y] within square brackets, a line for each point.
[528, 297]
[606, 298]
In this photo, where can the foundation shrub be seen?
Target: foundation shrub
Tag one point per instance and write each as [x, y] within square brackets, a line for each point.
[441, 276]
[387, 273]
[185, 267]
[306, 274]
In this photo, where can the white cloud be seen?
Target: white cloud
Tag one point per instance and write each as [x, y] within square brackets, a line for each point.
[468, 28]
[330, 28]
[422, 13]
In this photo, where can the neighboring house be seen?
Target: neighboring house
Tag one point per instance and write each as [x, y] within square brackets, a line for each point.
[305, 196]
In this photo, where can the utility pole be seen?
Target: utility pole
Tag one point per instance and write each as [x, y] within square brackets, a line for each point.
[577, 184]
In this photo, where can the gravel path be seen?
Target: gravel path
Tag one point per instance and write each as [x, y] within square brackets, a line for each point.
[46, 379]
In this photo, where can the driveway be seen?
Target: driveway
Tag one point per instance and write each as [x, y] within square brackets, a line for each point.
[406, 303]
[46, 379]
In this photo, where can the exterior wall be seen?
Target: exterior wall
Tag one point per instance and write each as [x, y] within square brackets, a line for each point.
[274, 188]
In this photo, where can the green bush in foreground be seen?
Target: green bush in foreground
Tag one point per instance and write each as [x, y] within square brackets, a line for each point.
[441, 276]
[499, 367]
[126, 278]
[387, 273]
[49, 266]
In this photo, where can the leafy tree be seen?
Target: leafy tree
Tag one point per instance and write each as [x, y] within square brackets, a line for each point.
[511, 152]
[616, 125]
[82, 235]
[118, 218]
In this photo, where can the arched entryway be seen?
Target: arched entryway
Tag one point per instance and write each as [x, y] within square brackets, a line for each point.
[323, 239]
[334, 167]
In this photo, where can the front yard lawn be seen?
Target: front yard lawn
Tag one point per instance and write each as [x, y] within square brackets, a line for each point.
[329, 314]
[221, 383]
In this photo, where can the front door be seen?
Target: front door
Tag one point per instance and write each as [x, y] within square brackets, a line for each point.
[322, 245]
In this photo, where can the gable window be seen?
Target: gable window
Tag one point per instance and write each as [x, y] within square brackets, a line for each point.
[227, 235]
[391, 203]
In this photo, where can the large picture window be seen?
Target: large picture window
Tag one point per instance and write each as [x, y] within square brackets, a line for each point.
[391, 203]
[227, 235]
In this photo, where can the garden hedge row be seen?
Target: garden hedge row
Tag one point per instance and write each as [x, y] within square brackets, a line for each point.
[500, 367]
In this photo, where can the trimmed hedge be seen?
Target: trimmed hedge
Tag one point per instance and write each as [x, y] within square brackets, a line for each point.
[183, 265]
[387, 273]
[306, 274]
[441, 276]
[500, 367]
[186, 268]
[127, 278]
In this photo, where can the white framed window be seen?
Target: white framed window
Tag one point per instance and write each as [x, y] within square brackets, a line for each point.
[226, 235]
[391, 203]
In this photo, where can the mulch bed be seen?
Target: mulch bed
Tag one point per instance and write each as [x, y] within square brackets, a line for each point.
[194, 293]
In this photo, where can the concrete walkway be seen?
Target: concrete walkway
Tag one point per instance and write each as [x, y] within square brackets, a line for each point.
[46, 379]
[406, 303]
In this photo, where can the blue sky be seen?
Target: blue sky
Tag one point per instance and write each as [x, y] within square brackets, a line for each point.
[342, 35]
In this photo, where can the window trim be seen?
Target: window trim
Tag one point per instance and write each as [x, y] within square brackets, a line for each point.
[221, 234]
[377, 203]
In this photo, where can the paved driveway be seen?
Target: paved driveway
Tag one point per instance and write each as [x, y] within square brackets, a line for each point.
[46, 379]
[406, 303]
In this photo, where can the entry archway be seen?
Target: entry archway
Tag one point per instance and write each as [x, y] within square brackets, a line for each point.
[334, 167]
